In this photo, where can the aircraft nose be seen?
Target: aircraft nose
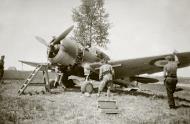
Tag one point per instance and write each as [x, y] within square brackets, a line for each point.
[70, 47]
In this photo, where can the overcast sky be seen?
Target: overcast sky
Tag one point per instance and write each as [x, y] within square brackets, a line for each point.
[140, 28]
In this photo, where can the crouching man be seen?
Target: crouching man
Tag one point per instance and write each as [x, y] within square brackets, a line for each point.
[105, 75]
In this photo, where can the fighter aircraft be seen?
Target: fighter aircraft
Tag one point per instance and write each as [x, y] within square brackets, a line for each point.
[70, 56]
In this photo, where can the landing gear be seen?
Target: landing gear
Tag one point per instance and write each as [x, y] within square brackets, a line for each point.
[47, 87]
[87, 87]
[64, 82]
[53, 84]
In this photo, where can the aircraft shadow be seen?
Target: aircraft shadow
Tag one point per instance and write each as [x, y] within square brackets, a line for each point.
[140, 93]
[134, 93]
[182, 106]
[73, 89]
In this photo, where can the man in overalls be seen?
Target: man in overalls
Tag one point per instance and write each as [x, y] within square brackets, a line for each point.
[105, 75]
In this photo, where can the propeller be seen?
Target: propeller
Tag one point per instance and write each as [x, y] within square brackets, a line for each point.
[53, 46]
[42, 41]
[62, 36]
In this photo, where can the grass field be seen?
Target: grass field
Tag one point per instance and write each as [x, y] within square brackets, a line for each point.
[70, 107]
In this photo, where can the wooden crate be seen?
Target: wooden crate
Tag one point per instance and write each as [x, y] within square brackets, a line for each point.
[107, 106]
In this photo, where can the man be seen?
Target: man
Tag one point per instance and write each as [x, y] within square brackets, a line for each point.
[2, 67]
[105, 75]
[170, 75]
[87, 71]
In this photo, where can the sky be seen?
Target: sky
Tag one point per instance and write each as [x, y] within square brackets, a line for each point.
[139, 28]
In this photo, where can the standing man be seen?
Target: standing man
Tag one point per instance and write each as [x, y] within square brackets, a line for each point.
[105, 75]
[87, 71]
[170, 75]
[2, 67]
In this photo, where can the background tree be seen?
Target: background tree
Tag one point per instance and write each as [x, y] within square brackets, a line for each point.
[91, 23]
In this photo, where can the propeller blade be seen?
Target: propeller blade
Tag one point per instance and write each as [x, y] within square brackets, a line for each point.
[63, 35]
[42, 41]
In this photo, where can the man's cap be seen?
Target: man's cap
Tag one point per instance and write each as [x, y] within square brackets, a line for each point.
[2, 57]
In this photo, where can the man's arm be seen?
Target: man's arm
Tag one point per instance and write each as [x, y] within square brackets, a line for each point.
[165, 72]
[176, 58]
[112, 71]
[100, 74]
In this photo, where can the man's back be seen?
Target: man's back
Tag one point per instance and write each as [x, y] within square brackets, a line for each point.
[106, 70]
[106, 67]
[170, 74]
[170, 69]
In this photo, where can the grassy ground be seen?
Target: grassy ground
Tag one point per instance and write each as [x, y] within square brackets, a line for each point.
[70, 107]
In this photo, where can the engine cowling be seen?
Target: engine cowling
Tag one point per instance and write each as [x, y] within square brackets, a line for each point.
[66, 54]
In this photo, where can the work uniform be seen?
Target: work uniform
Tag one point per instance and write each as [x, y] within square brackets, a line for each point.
[86, 71]
[170, 74]
[106, 74]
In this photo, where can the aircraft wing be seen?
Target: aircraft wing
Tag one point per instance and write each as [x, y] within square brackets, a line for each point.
[146, 65]
[34, 64]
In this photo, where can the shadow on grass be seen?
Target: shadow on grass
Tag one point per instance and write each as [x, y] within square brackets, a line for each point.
[182, 106]
[182, 99]
[178, 89]
[140, 93]
[73, 89]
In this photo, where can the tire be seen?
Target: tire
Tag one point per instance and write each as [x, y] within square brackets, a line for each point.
[47, 88]
[51, 84]
[87, 87]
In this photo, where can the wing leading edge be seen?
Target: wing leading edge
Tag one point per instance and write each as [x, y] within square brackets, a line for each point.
[146, 65]
[34, 64]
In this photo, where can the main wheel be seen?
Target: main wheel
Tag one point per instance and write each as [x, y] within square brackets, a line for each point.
[51, 84]
[47, 87]
[87, 87]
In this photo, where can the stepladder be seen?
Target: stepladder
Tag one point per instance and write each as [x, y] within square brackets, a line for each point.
[30, 78]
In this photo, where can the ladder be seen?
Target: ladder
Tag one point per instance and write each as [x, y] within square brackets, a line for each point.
[29, 79]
